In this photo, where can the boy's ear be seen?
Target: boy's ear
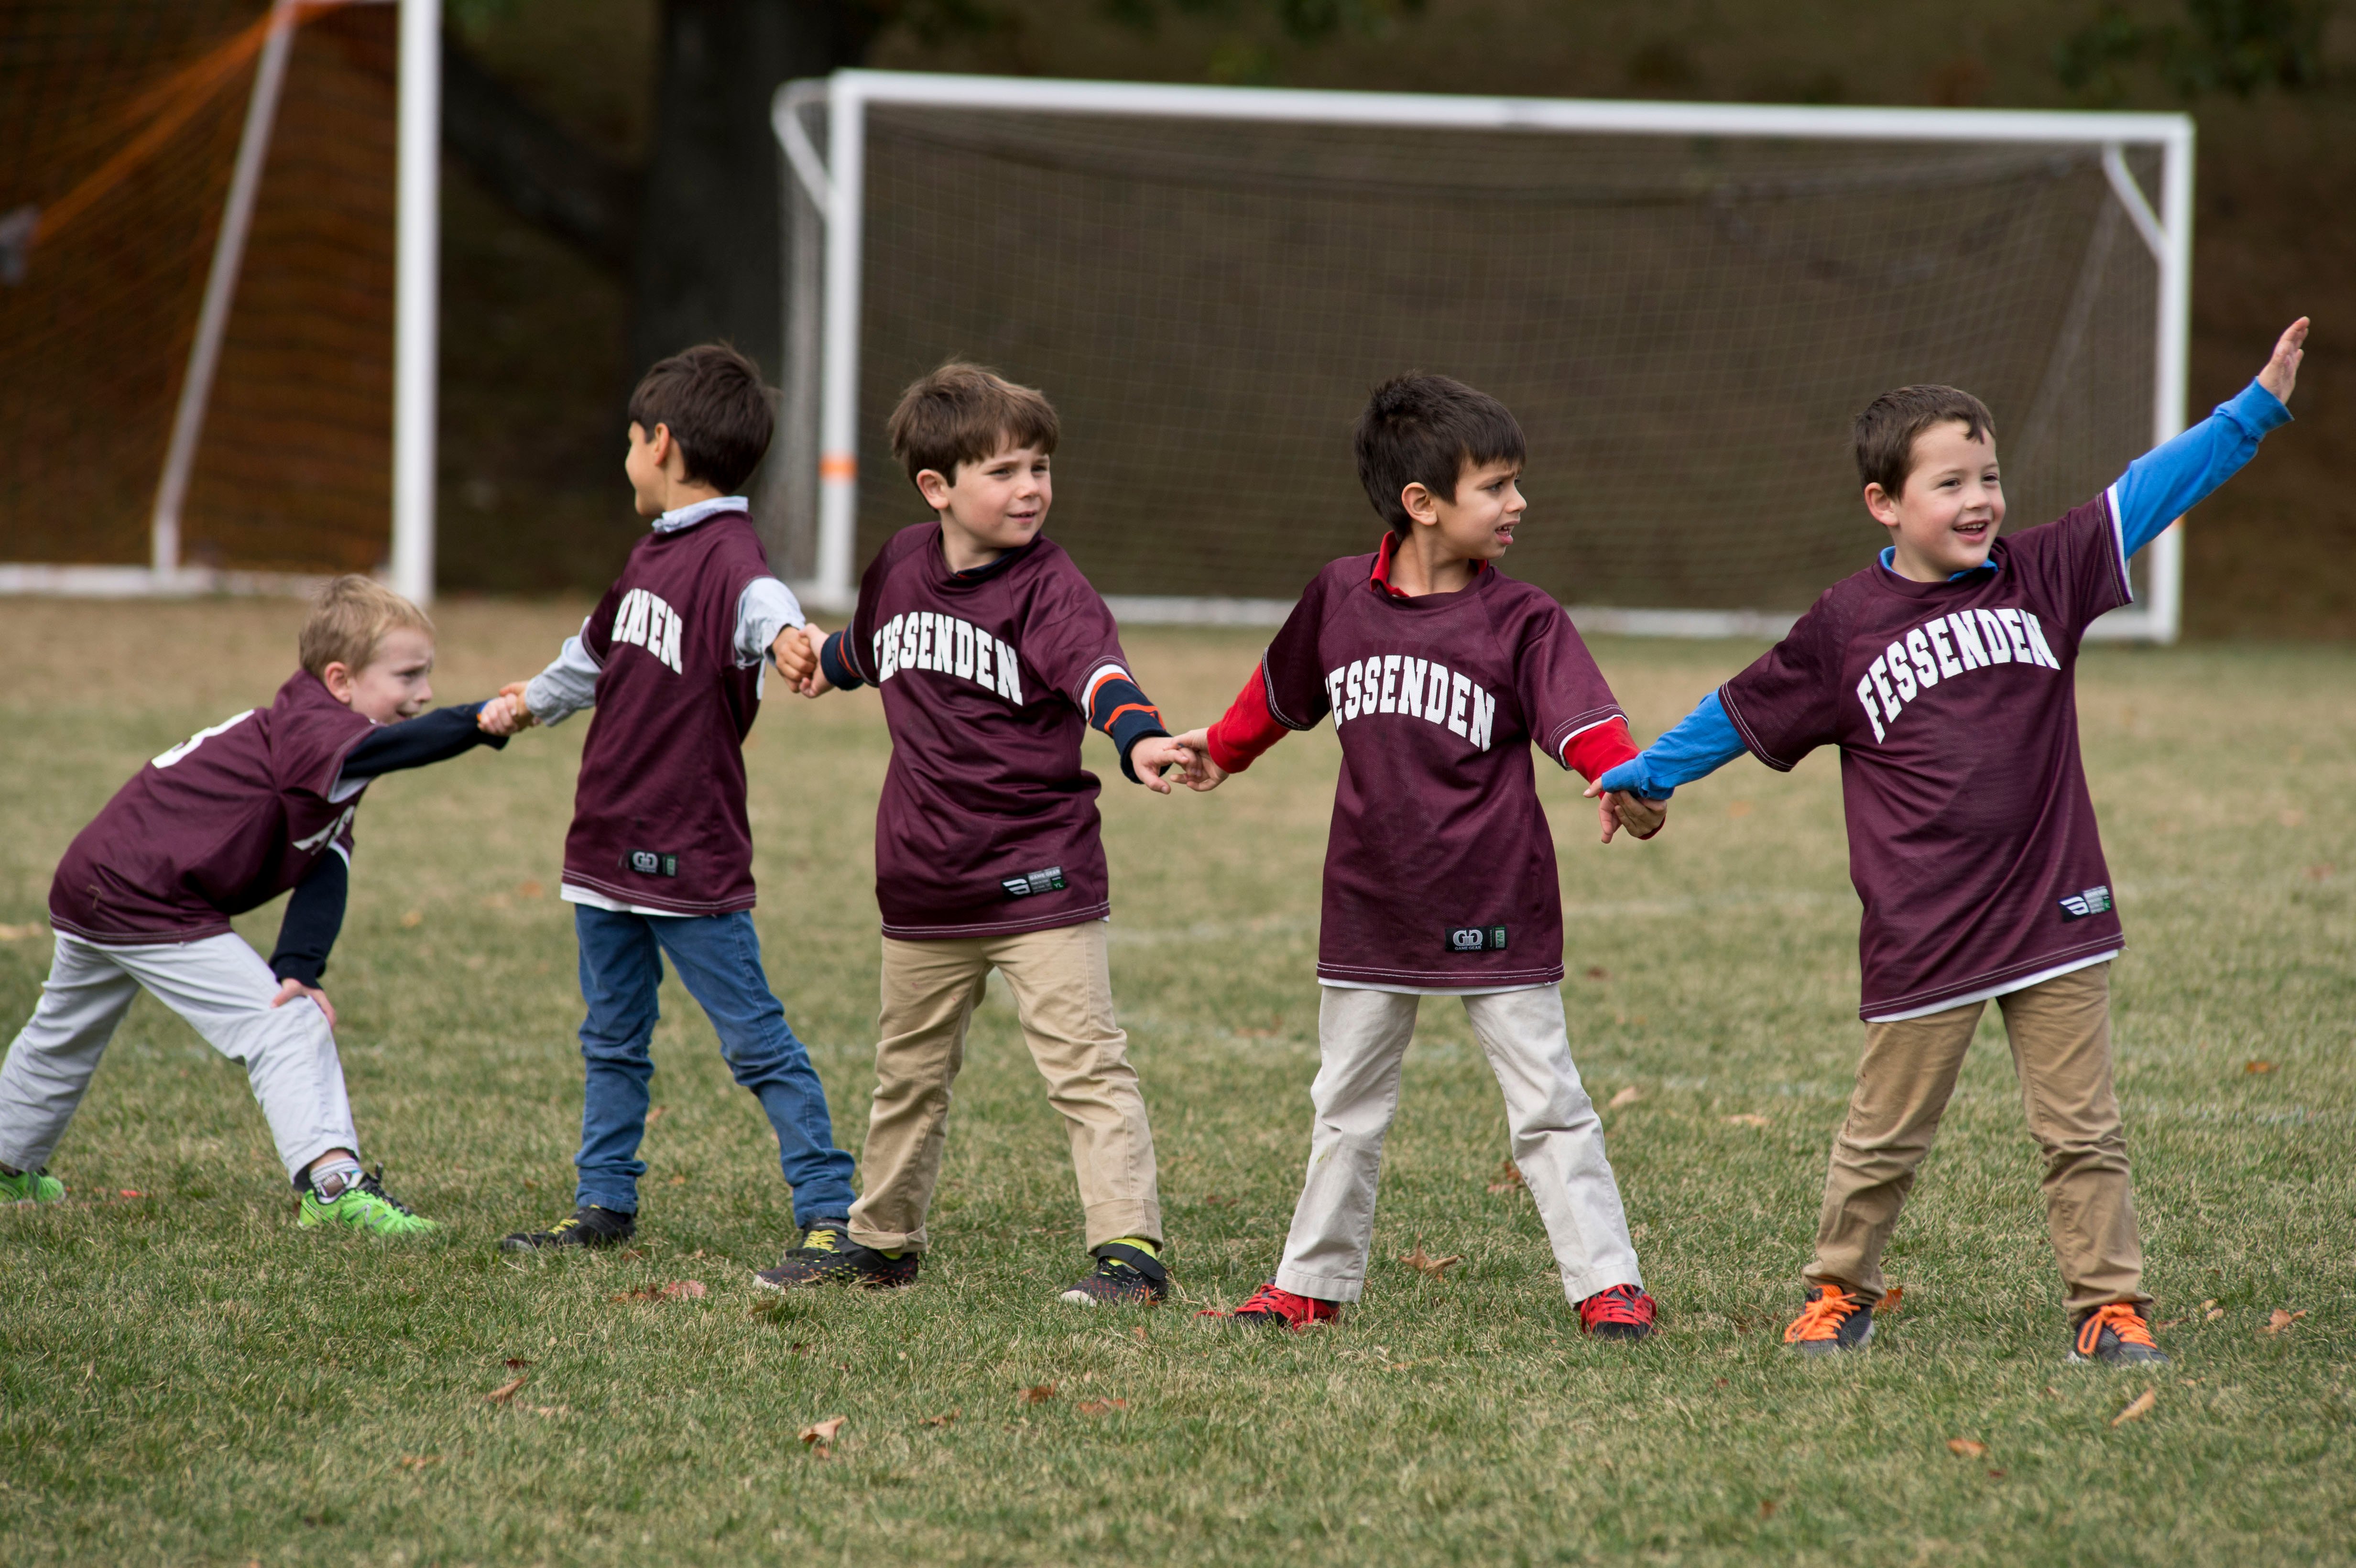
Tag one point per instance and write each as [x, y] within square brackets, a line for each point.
[338, 679]
[1882, 505]
[934, 487]
[1421, 504]
[666, 451]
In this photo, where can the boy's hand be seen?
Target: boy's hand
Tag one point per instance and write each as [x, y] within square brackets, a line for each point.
[1616, 809]
[2281, 373]
[505, 713]
[1201, 772]
[1155, 753]
[795, 653]
[290, 989]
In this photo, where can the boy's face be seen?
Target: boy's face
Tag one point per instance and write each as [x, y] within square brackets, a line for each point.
[994, 505]
[645, 463]
[396, 683]
[1951, 507]
[1477, 522]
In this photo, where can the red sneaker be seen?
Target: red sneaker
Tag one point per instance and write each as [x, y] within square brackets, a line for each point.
[1271, 1308]
[1622, 1312]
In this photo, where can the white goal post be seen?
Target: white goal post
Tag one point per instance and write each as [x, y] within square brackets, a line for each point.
[823, 127]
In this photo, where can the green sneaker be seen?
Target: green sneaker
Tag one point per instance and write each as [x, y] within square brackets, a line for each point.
[365, 1207]
[30, 1187]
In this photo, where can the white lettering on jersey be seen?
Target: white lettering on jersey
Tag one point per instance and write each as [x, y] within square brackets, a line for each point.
[1412, 689]
[1901, 674]
[1865, 697]
[166, 759]
[2038, 647]
[1879, 676]
[1484, 717]
[1009, 675]
[1459, 689]
[1387, 702]
[327, 835]
[643, 620]
[1350, 688]
[1948, 664]
[1918, 648]
[1944, 647]
[1992, 633]
[923, 639]
[1967, 640]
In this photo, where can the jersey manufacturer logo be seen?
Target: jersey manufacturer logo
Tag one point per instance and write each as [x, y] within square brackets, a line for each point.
[326, 835]
[651, 863]
[1943, 648]
[925, 639]
[645, 620]
[1476, 939]
[1048, 881]
[2094, 901]
[1415, 689]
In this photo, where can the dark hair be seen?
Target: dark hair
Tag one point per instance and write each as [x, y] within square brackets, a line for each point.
[718, 411]
[1886, 430]
[964, 413]
[1421, 428]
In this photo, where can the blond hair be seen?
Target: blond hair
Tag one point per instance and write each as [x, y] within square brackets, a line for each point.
[348, 620]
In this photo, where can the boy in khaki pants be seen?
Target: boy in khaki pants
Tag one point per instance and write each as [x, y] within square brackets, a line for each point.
[993, 655]
[1945, 673]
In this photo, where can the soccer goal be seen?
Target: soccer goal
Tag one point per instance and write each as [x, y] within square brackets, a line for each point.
[1684, 303]
[218, 253]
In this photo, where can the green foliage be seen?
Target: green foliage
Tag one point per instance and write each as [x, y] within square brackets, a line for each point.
[2233, 45]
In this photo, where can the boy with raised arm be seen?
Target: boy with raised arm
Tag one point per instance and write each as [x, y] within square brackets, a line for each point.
[258, 804]
[1945, 673]
[659, 861]
[1441, 673]
[993, 656]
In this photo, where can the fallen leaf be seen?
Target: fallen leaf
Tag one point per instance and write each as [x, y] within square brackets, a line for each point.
[1038, 1394]
[821, 1432]
[2290, 817]
[505, 1392]
[1747, 1119]
[1889, 1300]
[2313, 874]
[1424, 1263]
[2281, 1320]
[2054, 1392]
[2190, 1382]
[1737, 808]
[2170, 1322]
[1766, 1507]
[1598, 972]
[695, 1254]
[1627, 1096]
[2208, 1304]
[1966, 1448]
[685, 1290]
[419, 1461]
[1100, 1406]
[2255, 1066]
[678, 1180]
[413, 919]
[133, 1193]
[529, 890]
[656, 1114]
[632, 1254]
[2139, 1408]
[1139, 1335]
[551, 1409]
[1505, 1177]
[1996, 1475]
[2213, 1314]
[947, 1417]
[517, 1364]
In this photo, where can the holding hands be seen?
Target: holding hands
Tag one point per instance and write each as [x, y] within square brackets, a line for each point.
[1616, 809]
[505, 713]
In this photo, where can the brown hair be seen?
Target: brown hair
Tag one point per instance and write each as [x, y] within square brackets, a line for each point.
[964, 413]
[348, 619]
[718, 411]
[1423, 429]
[1886, 430]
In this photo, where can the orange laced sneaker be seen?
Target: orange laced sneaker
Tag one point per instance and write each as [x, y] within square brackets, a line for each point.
[1274, 1309]
[2117, 1334]
[1832, 1321]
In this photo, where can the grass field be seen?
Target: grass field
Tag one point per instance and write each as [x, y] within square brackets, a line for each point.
[185, 1378]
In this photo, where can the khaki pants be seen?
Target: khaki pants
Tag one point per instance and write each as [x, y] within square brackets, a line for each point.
[2060, 1036]
[1063, 994]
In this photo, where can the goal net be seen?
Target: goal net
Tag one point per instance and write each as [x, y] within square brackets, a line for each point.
[1685, 306]
[122, 124]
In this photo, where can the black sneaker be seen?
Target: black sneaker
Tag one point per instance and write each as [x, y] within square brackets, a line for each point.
[1124, 1276]
[2117, 1334]
[1833, 1321]
[828, 1257]
[588, 1226]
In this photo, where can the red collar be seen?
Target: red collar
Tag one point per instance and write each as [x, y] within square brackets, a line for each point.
[1381, 576]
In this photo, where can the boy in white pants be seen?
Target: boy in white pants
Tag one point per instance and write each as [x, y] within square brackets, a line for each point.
[258, 804]
[1440, 876]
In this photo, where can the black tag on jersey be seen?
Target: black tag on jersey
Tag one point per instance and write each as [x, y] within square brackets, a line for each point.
[1050, 880]
[1476, 939]
[2094, 901]
[651, 863]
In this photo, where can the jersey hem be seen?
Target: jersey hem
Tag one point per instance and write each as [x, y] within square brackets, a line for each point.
[1370, 978]
[1750, 742]
[1101, 910]
[1438, 990]
[1994, 983]
[622, 901]
[2002, 988]
[140, 938]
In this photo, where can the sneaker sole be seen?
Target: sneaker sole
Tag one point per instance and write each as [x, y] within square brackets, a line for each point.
[1833, 1346]
[2159, 1360]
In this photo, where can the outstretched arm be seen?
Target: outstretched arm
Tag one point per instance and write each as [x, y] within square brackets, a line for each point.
[2172, 478]
[1702, 743]
[419, 742]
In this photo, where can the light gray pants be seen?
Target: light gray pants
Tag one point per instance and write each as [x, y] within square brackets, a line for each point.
[1557, 1139]
[223, 989]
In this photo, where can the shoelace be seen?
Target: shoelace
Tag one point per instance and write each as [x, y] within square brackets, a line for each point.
[825, 1238]
[1821, 1318]
[2121, 1319]
[1294, 1309]
[1620, 1304]
[373, 1185]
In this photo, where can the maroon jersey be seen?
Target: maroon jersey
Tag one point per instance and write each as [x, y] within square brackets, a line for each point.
[659, 816]
[1439, 869]
[988, 825]
[223, 823]
[1971, 837]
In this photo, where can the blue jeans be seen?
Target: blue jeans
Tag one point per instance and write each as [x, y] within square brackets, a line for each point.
[719, 959]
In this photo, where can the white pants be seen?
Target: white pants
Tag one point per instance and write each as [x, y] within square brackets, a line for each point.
[1557, 1139]
[223, 989]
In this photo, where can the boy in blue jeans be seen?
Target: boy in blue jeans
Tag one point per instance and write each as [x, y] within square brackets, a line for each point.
[1945, 673]
[659, 859]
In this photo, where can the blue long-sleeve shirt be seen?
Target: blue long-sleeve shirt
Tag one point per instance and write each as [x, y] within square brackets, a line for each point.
[2158, 489]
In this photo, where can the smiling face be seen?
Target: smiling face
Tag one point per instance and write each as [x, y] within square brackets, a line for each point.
[990, 507]
[1477, 522]
[396, 682]
[1952, 506]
